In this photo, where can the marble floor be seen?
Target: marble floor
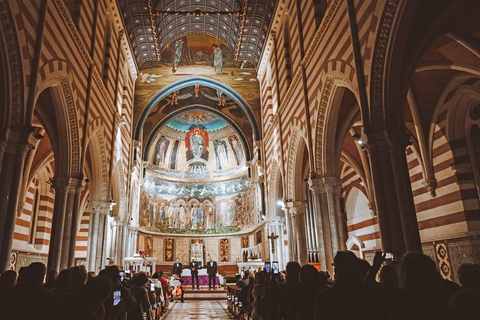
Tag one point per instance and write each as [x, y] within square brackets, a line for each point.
[199, 310]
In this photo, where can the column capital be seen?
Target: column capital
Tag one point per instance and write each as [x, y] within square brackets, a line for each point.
[387, 140]
[19, 142]
[325, 184]
[295, 207]
[102, 207]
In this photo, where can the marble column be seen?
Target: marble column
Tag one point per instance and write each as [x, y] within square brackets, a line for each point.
[97, 255]
[15, 149]
[75, 218]
[275, 226]
[70, 234]
[297, 213]
[61, 186]
[322, 223]
[332, 189]
[290, 226]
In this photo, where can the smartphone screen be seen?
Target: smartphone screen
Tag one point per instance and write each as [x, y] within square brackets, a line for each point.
[388, 256]
[275, 267]
[152, 286]
[122, 276]
[267, 267]
[117, 296]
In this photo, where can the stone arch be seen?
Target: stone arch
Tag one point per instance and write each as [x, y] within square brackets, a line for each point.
[66, 115]
[296, 142]
[98, 158]
[117, 187]
[197, 81]
[324, 101]
[275, 188]
[353, 242]
[14, 85]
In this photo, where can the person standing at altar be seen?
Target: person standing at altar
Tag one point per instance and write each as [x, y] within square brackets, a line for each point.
[194, 271]
[177, 267]
[212, 273]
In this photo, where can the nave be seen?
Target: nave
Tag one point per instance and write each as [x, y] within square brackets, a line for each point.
[199, 310]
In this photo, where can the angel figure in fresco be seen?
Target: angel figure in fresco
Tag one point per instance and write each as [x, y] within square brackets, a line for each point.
[178, 55]
[221, 99]
[237, 148]
[217, 59]
[196, 141]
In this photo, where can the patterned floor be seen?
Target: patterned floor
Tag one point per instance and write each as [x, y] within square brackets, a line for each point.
[199, 310]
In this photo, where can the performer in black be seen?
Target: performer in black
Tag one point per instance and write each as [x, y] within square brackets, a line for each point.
[212, 273]
[194, 270]
[177, 267]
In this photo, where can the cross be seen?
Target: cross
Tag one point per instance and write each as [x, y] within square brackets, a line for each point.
[272, 238]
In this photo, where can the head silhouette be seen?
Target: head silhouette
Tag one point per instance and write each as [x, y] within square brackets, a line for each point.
[347, 267]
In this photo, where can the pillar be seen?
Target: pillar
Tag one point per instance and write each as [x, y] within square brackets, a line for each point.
[93, 237]
[15, 149]
[297, 213]
[61, 186]
[75, 218]
[290, 226]
[393, 194]
[332, 188]
[323, 223]
[70, 224]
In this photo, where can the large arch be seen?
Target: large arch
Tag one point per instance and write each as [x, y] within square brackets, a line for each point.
[191, 82]
[59, 113]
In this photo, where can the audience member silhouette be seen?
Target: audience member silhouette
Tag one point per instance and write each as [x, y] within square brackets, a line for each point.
[29, 299]
[422, 294]
[290, 290]
[465, 303]
[61, 284]
[141, 294]
[348, 295]
[309, 289]
[8, 279]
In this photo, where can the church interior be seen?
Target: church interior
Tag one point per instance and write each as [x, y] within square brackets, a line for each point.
[251, 133]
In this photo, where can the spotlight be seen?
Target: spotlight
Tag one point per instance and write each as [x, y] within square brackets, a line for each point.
[279, 203]
[361, 140]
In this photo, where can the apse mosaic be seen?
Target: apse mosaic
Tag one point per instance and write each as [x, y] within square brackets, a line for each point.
[197, 144]
[196, 180]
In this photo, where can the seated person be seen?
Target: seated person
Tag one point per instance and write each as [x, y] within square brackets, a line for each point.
[176, 282]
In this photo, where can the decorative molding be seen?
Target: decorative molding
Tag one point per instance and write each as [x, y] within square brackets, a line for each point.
[292, 150]
[321, 122]
[14, 63]
[271, 187]
[378, 61]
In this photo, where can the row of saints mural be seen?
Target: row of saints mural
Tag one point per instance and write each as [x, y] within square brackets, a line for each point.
[208, 190]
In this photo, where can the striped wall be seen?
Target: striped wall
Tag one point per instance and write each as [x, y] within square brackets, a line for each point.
[361, 222]
[65, 52]
[82, 236]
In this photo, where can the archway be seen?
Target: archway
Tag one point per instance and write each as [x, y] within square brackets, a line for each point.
[192, 82]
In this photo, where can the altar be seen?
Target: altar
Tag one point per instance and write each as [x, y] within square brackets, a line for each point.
[202, 278]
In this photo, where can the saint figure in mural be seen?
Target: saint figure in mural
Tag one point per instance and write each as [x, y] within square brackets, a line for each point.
[178, 55]
[196, 141]
[237, 148]
[194, 216]
[182, 217]
[209, 217]
[217, 59]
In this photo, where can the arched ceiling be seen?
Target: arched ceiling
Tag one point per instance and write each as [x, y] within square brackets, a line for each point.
[153, 24]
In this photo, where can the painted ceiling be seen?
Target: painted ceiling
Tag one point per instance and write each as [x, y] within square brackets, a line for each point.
[241, 25]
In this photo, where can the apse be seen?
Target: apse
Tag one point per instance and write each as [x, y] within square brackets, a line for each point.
[196, 177]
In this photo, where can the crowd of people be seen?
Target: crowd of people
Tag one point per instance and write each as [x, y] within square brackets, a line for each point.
[80, 295]
[412, 290]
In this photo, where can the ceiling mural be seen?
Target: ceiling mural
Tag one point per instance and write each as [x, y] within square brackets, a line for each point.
[197, 179]
[241, 25]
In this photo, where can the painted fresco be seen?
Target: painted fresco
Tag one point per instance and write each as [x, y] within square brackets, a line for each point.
[201, 185]
[197, 55]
